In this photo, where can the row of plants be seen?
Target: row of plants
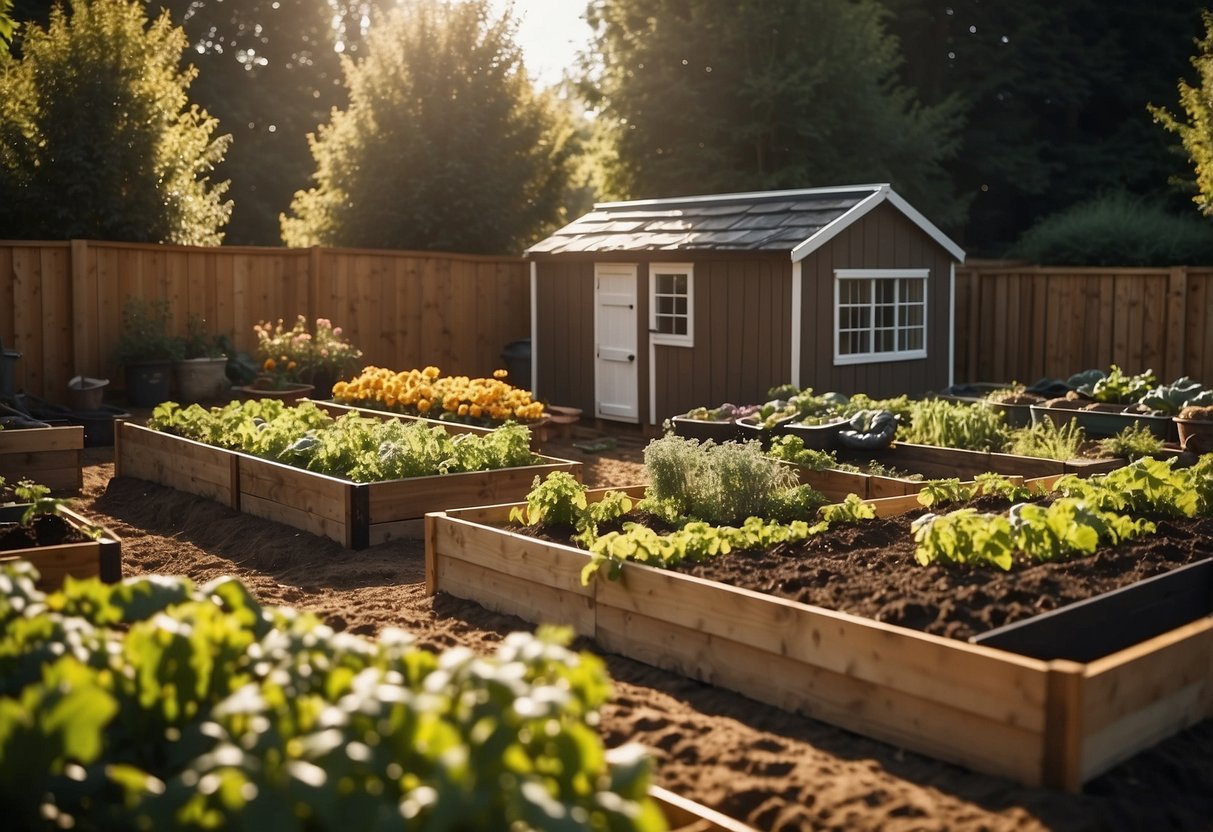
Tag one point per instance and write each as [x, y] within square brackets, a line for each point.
[427, 393]
[352, 446]
[711, 500]
[158, 704]
[1084, 515]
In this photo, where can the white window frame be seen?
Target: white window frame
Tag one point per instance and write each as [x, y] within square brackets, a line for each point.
[665, 338]
[873, 275]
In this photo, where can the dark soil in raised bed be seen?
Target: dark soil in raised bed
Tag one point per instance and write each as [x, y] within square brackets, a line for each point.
[868, 569]
[46, 530]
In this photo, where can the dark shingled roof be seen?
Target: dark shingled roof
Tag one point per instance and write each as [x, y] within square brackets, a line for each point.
[779, 221]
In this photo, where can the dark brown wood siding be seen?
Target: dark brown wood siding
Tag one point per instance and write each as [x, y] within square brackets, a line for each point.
[742, 332]
[563, 333]
[742, 335]
[884, 239]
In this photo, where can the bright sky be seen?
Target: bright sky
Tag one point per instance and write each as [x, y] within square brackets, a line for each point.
[550, 32]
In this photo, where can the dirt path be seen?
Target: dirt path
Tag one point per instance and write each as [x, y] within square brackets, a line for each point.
[772, 769]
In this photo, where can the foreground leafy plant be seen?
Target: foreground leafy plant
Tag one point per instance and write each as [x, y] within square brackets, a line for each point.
[155, 704]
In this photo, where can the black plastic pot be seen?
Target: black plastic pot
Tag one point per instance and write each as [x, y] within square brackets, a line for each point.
[148, 383]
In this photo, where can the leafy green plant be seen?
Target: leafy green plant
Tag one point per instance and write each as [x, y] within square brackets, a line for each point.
[156, 704]
[556, 500]
[999, 485]
[790, 448]
[948, 490]
[1148, 486]
[1065, 528]
[145, 333]
[353, 446]
[969, 426]
[1169, 399]
[1134, 442]
[851, 510]
[1119, 387]
[1046, 440]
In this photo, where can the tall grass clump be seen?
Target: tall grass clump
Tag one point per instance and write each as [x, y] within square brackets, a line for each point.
[1047, 441]
[721, 484]
[973, 427]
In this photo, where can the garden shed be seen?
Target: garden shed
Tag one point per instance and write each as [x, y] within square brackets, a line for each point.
[641, 310]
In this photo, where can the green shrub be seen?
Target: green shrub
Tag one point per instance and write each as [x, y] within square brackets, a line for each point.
[1116, 230]
[1133, 442]
[1046, 440]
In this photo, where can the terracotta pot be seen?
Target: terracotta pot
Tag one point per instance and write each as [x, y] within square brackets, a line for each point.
[1195, 435]
[260, 389]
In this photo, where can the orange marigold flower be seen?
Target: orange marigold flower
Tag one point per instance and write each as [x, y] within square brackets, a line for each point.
[423, 406]
[475, 411]
[463, 410]
[500, 373]
[269, 365]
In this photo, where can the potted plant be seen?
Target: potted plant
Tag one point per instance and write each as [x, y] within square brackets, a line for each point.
[1195, 424]
[332, 357]
[147, 351]
[283, 357]
[202, 371]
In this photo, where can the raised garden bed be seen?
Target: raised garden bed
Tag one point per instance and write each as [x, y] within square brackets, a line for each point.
[1054, 722]
[932, 461]
[1105, 420]
[49, 455]
[78, 554]
[356, 515]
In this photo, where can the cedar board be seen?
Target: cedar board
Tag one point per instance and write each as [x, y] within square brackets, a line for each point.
[1055, 723]
[356, 515]
[50, 456]
[101, 558]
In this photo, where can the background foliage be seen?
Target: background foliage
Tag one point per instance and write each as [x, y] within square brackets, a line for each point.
[445, 144]
[137, 169]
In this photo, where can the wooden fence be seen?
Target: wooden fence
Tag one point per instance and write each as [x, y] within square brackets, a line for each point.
[1023, 323]
[61, 302]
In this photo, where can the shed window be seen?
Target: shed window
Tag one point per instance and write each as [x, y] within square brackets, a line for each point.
[671, 304]
[880, 315]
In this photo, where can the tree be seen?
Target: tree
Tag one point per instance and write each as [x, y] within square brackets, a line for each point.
[97, 137]
[1196, 131]
[268, 70]
[445, 144]
[1054, 100]
[701, 96]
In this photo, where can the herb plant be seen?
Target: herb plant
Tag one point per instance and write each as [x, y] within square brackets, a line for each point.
[1048, 441]
[1133, 442]
[969, 426]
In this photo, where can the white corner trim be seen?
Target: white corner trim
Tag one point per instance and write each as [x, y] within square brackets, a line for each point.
[797, 300]
[952, 325]
[834, 228]
[534, 320]
[652, 382]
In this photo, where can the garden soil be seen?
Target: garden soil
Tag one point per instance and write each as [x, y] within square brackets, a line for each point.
[770, 769]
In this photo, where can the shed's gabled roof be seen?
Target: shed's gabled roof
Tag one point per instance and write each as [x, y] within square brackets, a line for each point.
[798, 222]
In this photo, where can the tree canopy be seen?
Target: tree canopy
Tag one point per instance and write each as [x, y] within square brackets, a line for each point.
[699, 96]
[1054, 99]
[97, 135]
[445, 145]
[1196, 129]
[270, 72]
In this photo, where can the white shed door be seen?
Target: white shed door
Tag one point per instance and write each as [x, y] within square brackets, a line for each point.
[616, 371]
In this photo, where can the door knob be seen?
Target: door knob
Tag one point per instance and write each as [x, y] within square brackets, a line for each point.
[631, 358]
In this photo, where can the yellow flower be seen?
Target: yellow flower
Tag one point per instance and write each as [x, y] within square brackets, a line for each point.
[269, 365]
[424, 405]
[500, 373]
[463, 410]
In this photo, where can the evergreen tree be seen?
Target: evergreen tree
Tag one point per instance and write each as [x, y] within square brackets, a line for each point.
[97, 136]
[445, 144]
[700, 96]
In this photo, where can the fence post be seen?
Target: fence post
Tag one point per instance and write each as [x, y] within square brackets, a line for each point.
[85, 357]
[1174, 321]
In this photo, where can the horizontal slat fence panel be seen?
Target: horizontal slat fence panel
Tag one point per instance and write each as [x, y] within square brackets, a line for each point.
[1024, 323]
[61, 302]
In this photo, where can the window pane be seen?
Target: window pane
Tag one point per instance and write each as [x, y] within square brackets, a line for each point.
[914, 339]
[680, 284]
[665, 306]
[886, 291]
[680, 306]
[885, 315]
[680, 326]
[884, 340]
[911, 289]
